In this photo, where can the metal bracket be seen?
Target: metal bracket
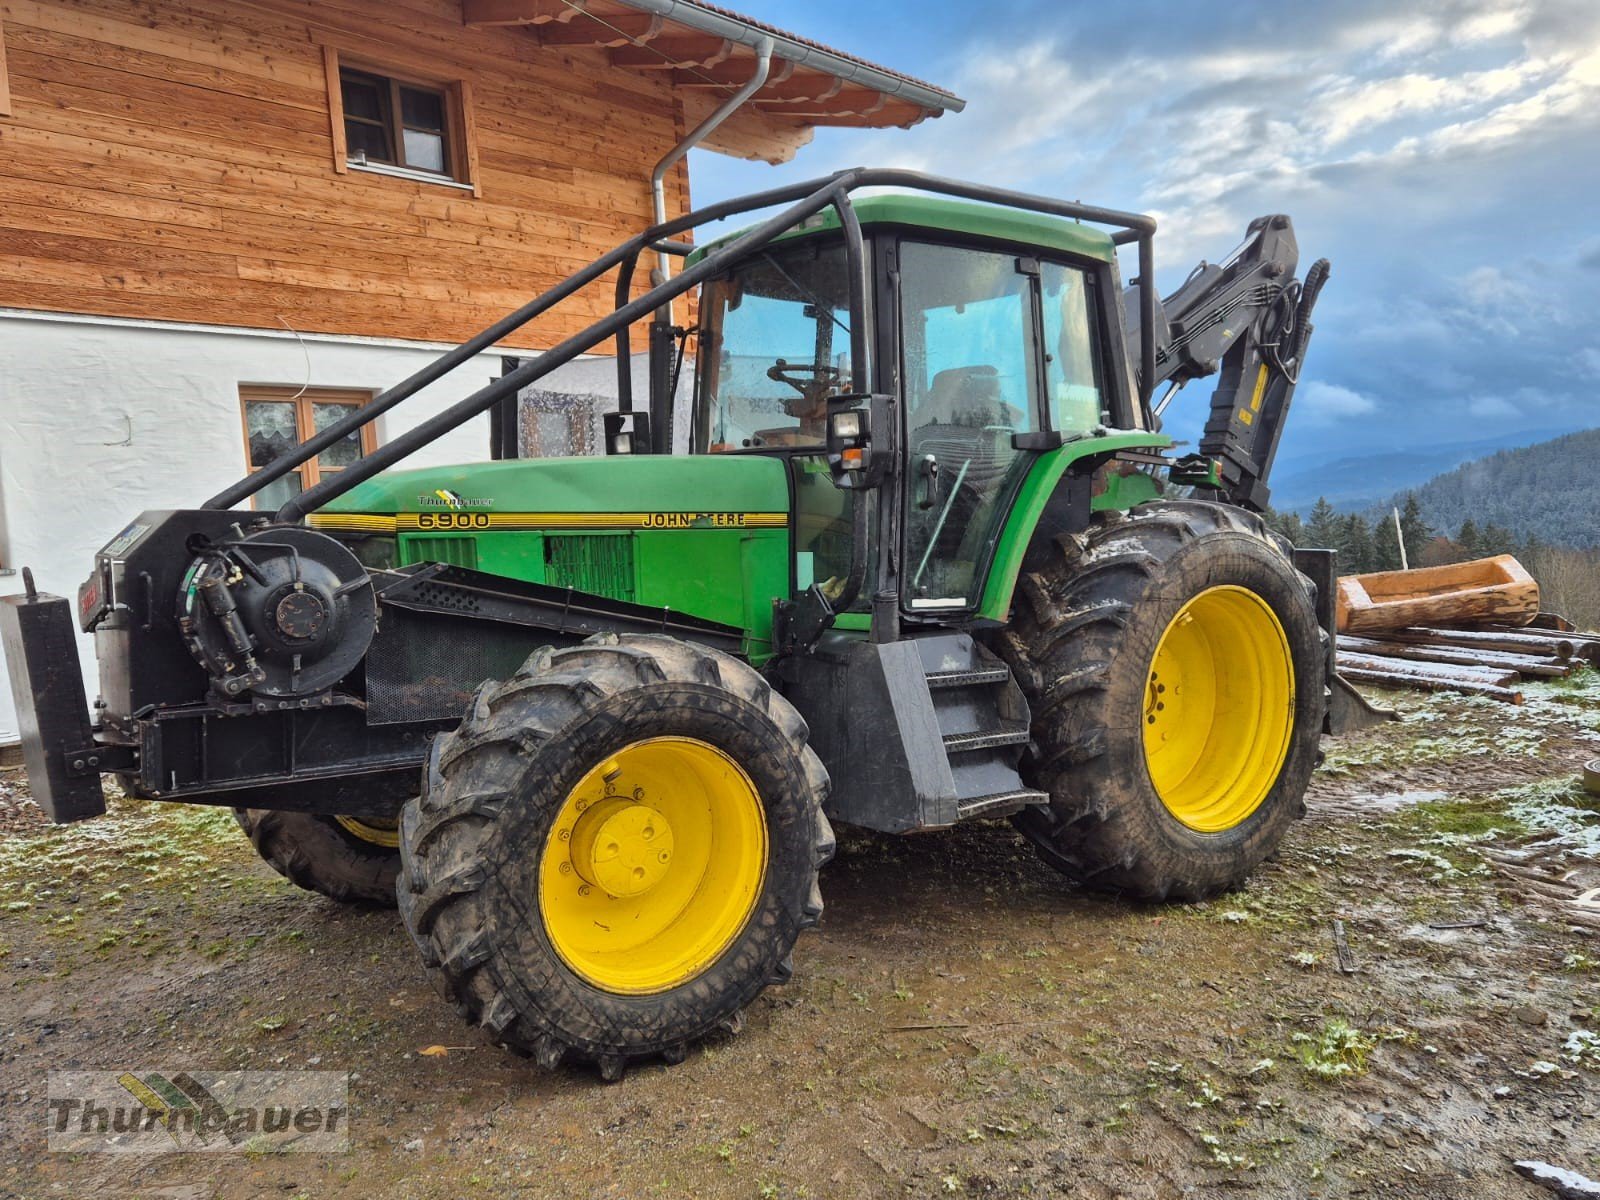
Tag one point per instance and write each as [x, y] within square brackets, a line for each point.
[96, 757]
[798, 624]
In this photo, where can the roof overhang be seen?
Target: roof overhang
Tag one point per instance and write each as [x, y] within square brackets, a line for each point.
[707, 53]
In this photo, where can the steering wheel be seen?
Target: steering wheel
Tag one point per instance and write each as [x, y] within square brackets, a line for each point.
[806, 378]
[814, 381]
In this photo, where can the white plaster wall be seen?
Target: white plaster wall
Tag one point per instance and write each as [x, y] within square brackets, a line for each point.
[100, 420]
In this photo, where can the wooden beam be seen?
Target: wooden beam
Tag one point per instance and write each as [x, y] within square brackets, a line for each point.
[839, 102]
[812, 88]
[518, 12]
[735, 73]
[748, 133]
[666, 53]
[341, 151]
[623, 30]
[5, 78]
[902, 115]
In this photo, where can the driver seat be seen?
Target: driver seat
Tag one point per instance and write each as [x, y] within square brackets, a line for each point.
[967, 396]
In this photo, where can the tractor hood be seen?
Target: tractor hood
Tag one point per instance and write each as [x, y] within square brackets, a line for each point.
[706, 535]
[624, 492]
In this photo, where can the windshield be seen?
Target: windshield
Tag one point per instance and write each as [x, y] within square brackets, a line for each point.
[774, 345]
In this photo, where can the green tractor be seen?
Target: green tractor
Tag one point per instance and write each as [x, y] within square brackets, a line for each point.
[913, 551]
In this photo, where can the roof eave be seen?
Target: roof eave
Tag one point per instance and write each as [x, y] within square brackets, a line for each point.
[722, 25]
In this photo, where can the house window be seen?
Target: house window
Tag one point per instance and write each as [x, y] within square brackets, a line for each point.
[400, 123]
[277, 419]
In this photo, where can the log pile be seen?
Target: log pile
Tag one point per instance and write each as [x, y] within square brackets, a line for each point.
[1471, 627]
[1497, 589]
[1483, 660]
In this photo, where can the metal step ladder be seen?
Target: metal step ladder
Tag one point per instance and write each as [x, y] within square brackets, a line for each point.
[983, 723]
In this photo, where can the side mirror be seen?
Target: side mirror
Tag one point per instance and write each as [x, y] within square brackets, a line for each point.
[627, 432]
[855, 460]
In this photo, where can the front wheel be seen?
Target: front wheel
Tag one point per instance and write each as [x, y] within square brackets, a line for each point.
[1174, 667]
[354, 860]
[615, 851]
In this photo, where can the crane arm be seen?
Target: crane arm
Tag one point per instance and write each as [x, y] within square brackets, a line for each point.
[1248, 321]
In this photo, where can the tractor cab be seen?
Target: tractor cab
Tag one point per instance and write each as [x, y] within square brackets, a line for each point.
[990, 329]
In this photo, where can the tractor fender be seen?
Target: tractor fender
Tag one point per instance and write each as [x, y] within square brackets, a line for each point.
[1056, 485]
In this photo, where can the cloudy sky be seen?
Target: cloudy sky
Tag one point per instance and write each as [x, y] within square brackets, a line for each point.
[1445, 154]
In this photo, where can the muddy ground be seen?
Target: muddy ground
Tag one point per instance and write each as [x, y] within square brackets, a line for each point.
[963, 1023]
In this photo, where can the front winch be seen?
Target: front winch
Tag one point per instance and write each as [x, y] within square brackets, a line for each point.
[281, 612]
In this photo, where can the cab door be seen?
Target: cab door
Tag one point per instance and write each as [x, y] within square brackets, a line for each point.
[985, 337]
[970, 370]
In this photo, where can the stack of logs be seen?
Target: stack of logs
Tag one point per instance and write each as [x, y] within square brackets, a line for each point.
[1488, 660]
[1472, 627]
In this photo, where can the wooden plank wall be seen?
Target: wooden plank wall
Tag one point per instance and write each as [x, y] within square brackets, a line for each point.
[173, 159]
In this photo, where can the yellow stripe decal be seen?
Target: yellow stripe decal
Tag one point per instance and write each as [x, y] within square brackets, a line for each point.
[1261, 387]
[470, 521]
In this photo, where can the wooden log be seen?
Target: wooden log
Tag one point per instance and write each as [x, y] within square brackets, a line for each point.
[1495, 589]
[1522, 664]
[1509, 641]
[1429, 684]
[1494, 676]
[1585, 646]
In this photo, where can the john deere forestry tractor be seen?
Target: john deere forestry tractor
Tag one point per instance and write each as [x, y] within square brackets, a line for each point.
[914, 552]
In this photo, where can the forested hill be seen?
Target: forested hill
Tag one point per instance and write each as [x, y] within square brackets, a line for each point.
[1548, 492]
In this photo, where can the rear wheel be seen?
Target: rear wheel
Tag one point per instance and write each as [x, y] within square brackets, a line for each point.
[1174, 667]
[615, 851]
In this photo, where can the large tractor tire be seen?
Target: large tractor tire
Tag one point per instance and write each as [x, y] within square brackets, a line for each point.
[354, 860]
[615, 851]
[1174, 666]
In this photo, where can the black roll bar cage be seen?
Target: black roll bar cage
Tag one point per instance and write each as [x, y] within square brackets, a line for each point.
[804, 200]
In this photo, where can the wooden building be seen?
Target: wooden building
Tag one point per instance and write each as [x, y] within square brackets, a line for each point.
[223, 220]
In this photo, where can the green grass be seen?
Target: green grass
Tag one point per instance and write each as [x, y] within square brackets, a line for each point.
[1337, 1051]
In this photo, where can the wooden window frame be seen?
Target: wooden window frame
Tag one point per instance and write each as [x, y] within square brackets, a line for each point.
[5, 75]
[311, 472]
[460, 129]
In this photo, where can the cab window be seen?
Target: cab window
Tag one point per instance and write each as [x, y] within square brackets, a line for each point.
[774, 345]
[1071, 346]
[970, 365]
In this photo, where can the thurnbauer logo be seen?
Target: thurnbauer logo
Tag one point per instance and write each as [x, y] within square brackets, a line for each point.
[444, 498]
[179, 1112]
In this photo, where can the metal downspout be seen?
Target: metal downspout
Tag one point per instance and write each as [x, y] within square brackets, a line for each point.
[658, 190]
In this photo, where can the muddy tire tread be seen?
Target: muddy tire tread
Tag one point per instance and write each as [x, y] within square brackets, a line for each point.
[471, 780]
[1076, 604]
[312, 852]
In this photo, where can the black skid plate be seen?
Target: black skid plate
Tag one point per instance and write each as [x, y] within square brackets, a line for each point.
[41, 650]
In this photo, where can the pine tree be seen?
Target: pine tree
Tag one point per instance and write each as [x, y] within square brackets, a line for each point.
[1469, 539]
[1414, 529]
[1355, 548]
[1495, 539]
[1324, 529]
[1288, 524]
[1385, 549]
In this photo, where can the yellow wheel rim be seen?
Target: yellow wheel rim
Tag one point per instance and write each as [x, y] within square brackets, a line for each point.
[1219, 708]
[377, 830]
[653, 865]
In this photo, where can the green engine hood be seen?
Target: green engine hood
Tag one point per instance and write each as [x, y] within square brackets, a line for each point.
[647, 486]
[707, 534]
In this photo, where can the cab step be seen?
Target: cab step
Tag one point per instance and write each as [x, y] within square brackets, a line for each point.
[958, 679]
[1000, 804]
[919, 733]
[984, 739]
